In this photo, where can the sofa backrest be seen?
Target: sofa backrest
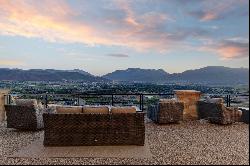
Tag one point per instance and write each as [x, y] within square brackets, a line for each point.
[167, 100]
[95, 110]
[68, 109]
[215, 100]
[115, 110]
[26, 102]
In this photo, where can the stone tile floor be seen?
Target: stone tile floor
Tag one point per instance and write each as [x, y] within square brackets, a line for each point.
[193, 142]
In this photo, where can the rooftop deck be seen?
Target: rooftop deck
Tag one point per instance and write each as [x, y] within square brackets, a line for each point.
[193, 142]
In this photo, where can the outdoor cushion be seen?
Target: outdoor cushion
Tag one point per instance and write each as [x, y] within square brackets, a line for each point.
[95, 110]
[26, 102]
[215, 100]
[167, 100]
[51, 108]
[115, 110]
[71, 109]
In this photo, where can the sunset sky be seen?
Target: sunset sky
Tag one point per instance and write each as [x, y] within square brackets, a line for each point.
[100, 36]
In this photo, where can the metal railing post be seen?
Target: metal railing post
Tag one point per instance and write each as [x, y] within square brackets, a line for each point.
[226, 101]
[8, 99]
[46, 101]
[112, 99]
[142, 102]
[78, 99]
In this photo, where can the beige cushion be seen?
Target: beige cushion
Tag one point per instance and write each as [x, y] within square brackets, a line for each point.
[66, 109]
[215, 100]
[95, 110]
[53, 107]
[167, 100]
[26, 102]
[115, 110]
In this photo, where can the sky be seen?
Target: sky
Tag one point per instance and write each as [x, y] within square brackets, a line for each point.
[100, 36]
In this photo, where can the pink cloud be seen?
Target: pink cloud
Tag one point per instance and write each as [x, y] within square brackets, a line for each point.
[233, 51]
[213, 10]
[229, 49]
[54, 22]
[31, 19]
[209, 16]
[57, 21]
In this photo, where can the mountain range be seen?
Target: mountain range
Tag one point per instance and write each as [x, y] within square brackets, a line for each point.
[138, 75]
[47, 75]
[207, 75]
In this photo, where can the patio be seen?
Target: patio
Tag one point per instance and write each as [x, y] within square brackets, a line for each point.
[190, 142]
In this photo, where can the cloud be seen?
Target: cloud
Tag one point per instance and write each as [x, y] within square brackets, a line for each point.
[62, 23]
[125, 23]
[229, 49]
[118, 55]
[239, 40]
[204, 16]
[216, 10]
[33, 19]
[233, 50]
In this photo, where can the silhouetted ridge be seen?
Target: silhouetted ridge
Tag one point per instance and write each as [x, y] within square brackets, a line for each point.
[46, 75]
[206, 75]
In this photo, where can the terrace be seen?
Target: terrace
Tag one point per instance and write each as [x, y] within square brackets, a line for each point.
[188, 142]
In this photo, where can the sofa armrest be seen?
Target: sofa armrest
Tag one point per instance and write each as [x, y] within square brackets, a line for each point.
[152, 112]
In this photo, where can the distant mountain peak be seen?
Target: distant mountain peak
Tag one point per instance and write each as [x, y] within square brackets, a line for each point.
[48, 75]
[138, 75]
[205, 75]
[140, 69]
[80, 71]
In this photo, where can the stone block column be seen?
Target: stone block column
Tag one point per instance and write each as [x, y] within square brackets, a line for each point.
[3, 92]
[190, 99]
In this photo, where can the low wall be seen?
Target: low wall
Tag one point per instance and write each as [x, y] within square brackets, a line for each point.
[190, 99]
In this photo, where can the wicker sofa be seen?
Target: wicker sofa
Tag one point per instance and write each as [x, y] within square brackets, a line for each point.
[166, 111]
[97, 127]
[215, 111]
[25, 115]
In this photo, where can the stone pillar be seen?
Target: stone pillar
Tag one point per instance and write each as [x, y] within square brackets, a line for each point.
[3, 92]
[190, 99]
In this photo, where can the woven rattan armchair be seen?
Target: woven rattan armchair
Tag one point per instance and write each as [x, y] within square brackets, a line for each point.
[217, 113]
[166, 111]
[24, 117]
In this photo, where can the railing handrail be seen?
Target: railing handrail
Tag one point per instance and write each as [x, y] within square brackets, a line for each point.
[141, 102]
[94, 94]
[231, 94]
[108, 94]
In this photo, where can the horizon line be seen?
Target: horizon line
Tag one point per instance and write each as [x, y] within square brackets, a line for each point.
[26, 69]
